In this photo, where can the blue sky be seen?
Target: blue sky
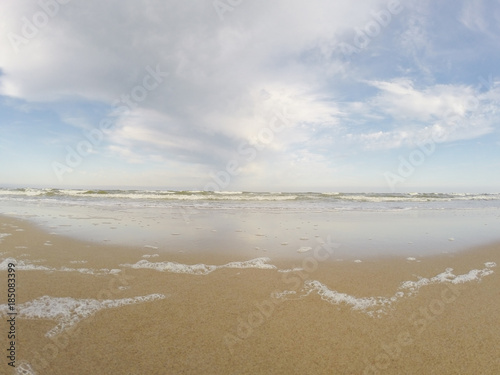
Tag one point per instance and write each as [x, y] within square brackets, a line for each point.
[251, 95]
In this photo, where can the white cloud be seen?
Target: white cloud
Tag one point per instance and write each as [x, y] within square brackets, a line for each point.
[228, 80]
[441, 112]
[473, 15]
[400, 99]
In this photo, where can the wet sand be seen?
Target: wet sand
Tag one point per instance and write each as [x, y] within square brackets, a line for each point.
[229, 320]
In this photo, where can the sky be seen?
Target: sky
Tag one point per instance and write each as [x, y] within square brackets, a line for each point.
[240, 95]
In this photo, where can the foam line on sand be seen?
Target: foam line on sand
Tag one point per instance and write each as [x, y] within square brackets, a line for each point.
[377, 306]
[69, 311]
[199, 269]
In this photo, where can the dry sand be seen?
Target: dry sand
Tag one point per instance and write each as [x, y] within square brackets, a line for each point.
[226, 322]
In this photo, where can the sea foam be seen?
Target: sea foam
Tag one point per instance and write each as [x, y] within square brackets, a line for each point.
[25, 265]
[24, 368]
[67, 311]
[199, 269]
[377, 306]
[22, 265]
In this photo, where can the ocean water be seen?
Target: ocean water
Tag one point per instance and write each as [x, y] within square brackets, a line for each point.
[327, 201]
[264, 223]
[257, 229]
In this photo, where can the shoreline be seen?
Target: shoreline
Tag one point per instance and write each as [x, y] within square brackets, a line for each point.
[227, 320]
[361, 235]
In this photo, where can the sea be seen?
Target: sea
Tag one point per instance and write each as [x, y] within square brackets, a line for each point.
[257, 230]
[278, 223]
[326, 201]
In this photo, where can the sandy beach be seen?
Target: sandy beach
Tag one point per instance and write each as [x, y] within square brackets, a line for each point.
[235, 187]
[87, 308]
